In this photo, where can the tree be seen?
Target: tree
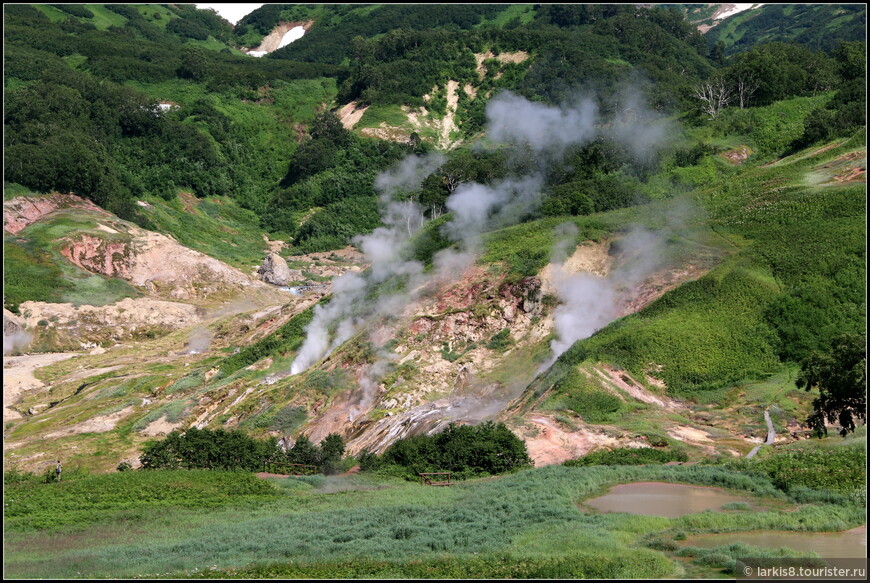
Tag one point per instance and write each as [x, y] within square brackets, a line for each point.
[744, 83]
[714, 95]
[303, 452]
[207, 449]
[331, 450]
[327, 126]
[841, 378]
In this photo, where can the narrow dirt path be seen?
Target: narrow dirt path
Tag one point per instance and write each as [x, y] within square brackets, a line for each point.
[771, 435]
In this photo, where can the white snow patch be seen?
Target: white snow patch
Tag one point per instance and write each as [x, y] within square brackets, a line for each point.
[736, 9]
[232, 12]
[291, 35]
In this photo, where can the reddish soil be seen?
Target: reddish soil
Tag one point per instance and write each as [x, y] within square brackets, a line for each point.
[189, 202]
[22, 211]
[737, 155]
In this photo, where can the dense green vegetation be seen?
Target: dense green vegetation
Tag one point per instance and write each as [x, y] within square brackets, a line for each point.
[80, 500]
[56, 109]
[628, 457]
[817, 26]
[465, 450]
[840, 376]
[524, 524]
[237, 451]
[842, 469]
[100, 77]
[207, 449]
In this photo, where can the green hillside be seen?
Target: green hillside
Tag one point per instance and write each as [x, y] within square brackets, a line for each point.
[547, 249]
[816, 26]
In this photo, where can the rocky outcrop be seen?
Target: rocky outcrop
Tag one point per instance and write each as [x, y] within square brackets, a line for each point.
[15, 338]
[155, 262]
[274, 270]
[69, 327]
[22, 211]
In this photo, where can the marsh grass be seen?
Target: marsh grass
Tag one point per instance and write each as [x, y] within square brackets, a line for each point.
[524, 524]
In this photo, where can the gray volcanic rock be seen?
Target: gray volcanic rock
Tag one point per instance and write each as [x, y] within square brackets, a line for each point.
[274, 270]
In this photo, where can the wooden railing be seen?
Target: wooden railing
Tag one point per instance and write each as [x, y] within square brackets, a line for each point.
[292, 469]
[429, 479]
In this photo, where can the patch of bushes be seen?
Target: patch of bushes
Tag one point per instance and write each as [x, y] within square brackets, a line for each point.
[842, 469]
[626, 456]
[287, 338]
[466, 450]
[207, 449]
[501, 341]
[577, 393]
[288, 419]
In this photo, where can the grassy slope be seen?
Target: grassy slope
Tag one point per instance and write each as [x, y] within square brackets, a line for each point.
[787, 234]
[216, 226]
[157, 15]
[34, 269]
[808, 24]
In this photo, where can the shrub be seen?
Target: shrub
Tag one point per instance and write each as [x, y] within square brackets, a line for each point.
[501, 341]
[485, 449]
[207, 449]
[628, 457]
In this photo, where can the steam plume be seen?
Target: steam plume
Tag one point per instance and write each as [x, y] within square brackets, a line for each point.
[336, 322]
[15, 341]
[199, 340]
[589, 301]
[543, 131]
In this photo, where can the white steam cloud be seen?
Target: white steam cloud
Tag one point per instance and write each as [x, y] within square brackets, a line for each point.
[589, 301]
[199, 340]
[543, 131]
[334, 323]
[16, 341]
[544, 128]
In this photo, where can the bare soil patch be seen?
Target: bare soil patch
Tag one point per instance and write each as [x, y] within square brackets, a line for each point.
[98, 424]
[351, 114]
[18, 377]
[547, 443]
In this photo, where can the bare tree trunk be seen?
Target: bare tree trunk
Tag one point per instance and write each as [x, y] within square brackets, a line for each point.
[715, 95]
[746, 87]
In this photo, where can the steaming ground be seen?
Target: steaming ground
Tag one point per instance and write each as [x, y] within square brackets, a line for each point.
[587, 302]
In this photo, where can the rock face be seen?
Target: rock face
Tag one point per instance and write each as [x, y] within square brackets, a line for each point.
[155, 262]
[25, 210]
[274, 270]
[69, 327]
[15, 338]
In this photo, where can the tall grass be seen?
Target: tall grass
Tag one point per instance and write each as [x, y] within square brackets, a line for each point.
[525, 524]
[90, 498]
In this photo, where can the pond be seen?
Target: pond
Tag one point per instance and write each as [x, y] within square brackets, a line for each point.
[664, 499]
[829, 545]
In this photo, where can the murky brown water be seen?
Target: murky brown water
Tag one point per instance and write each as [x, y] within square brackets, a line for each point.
[663, 499]
[829, 545]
